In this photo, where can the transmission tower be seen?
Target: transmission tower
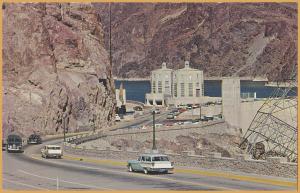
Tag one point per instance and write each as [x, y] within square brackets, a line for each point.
[273, 131]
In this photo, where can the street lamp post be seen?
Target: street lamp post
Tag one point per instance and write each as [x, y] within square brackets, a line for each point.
[153, 143]
[200, 111]
[64, 125]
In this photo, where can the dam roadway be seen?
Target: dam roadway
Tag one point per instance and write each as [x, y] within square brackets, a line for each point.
[29, 171]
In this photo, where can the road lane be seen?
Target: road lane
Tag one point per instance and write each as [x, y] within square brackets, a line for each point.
[30, 171]
[187, 178]
[89, 176]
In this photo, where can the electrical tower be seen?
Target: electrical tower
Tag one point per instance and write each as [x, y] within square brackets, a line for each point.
[273, 131]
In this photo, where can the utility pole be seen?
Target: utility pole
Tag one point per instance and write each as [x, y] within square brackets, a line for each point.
[200, 111]
[153, 143]
[64, 130]
[64, 126]
[110, 52]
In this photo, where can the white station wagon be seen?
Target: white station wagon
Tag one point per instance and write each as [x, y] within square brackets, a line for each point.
[51, 151]
[151, 163]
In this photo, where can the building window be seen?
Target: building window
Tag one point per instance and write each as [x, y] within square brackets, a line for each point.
[198, 92]
[182, 89]
[190, 89]
[153, 87]
[175, 89]
[167, 87]
[159, 87]
[197, 85]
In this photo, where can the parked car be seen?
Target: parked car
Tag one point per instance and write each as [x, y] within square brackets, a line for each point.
[170, 116]
[158, 125]
[118, 118]
[210, 118]
[157, 111]
[137, 108]
[14, 143]
[34, 139]
[178, 123]
[151, 163]
[203, 118]
[49, 151]
[187, 122]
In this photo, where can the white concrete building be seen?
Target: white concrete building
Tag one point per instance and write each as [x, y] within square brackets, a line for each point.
[175, 87]
[161, 86]
[231, 100]
[121, 96]
[188, 82]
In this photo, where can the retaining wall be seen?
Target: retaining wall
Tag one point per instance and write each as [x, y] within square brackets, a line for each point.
[273, 166]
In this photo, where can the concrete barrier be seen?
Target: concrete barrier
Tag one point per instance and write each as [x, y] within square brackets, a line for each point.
[276, 159]
[273, 166]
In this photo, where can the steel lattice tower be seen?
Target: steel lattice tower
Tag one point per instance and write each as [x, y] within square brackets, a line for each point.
[275, 123]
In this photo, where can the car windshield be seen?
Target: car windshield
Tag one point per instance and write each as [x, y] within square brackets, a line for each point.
[160, 158]
[53, 147]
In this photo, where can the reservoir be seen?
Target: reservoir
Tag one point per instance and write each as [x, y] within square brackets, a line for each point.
[136, 90]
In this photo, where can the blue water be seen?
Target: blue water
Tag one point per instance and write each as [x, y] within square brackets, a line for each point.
[136, 90]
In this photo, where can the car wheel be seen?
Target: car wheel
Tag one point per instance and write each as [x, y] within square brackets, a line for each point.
[130, 169]
[145, 171]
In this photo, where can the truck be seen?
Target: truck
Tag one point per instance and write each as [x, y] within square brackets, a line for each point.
[14, 143]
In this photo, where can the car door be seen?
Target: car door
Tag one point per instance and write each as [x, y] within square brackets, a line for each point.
[139, 163]
[134, 164]
[146, 163]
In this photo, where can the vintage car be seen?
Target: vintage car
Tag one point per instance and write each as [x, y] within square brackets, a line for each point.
[34, 139]
[151, 163]
[118, 118]
[51, 151]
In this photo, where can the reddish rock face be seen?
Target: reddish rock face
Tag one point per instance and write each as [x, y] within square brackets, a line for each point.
[56, 70]
[246, 39]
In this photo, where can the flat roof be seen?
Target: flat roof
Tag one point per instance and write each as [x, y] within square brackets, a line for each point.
[152, 154]
[53, 145]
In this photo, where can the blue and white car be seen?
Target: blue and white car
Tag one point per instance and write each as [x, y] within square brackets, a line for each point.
[151, 163]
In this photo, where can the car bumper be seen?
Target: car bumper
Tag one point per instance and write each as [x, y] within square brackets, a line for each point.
[14, 149]
[160, 169]
[54, 155]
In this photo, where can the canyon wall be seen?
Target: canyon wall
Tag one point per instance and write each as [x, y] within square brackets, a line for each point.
[56, 71]
[222, 39]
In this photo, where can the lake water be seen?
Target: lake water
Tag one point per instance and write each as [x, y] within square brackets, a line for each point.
[136, 90]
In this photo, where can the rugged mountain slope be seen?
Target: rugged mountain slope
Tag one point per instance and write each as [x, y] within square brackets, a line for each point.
[223, 39]
[53, 59]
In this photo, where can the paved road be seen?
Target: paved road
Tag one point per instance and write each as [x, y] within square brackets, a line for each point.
[145, 119]
[30, 171]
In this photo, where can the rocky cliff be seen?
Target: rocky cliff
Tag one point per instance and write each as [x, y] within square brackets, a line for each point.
[223, 39]
[56, 72]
